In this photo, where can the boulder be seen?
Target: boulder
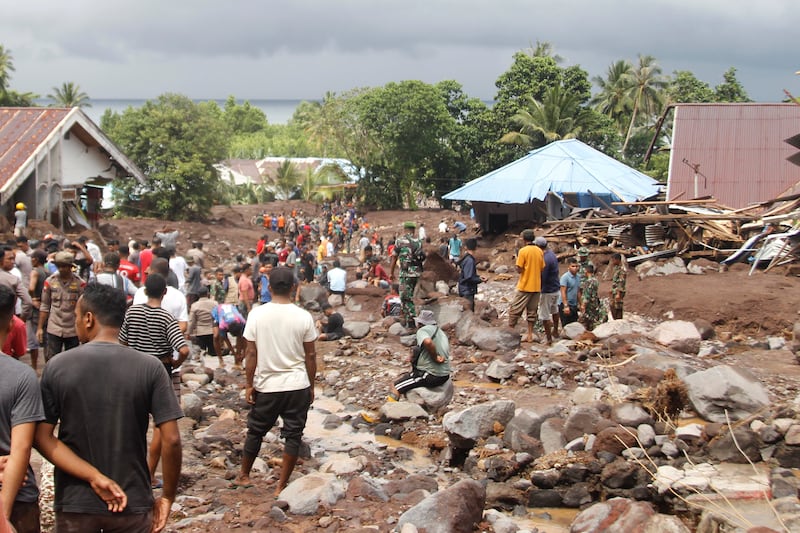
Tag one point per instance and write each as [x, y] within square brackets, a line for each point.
[467, 426]
[499, 370]
[723, 448]
[630, 414]
[192, 406]
[448, 314]
[357, 330]
[722, 388]
[457, 509]
[432, 399]
[495, 339]
[614, 440]
[679, 335]
[617, 515]
[612, 328]
[397, 329]
[551, 436]
[313, 292]
[585, 395]
[574, 330]
[526, 422]
[666, 268]
[305, 495]
[400, 411]
[582, 420]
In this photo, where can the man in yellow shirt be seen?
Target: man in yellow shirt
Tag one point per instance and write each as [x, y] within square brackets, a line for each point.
[530, 263]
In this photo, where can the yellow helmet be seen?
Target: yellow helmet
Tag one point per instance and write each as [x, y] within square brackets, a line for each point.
[20, 205]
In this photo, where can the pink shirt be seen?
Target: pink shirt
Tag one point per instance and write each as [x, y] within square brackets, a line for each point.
[247, 292]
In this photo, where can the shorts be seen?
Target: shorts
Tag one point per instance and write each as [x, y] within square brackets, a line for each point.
[523, 301]
[25, 517]
[30, 330]
[417, 378]
[291, 406]
[110, 523]
[548, 305]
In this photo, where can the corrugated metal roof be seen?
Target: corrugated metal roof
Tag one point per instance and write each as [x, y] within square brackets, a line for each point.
[568, 166]
[25, 130]
[741, 151]
[22, 130]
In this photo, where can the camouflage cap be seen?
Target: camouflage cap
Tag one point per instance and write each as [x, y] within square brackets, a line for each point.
[583, 251]
[409, 224]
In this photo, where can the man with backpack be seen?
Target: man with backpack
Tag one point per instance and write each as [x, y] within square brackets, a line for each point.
[409, 253]
[430, 361]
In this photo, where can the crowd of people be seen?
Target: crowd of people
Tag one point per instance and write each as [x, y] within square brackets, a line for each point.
[149, 308]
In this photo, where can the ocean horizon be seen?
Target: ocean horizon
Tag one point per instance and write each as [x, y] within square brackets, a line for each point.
[278, 110]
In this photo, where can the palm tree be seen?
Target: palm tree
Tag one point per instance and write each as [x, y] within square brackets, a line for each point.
[6, 68]
[544, 49]
[69, 95]
[556, 117]
[287, 180]
[645, 86]
[614, 99]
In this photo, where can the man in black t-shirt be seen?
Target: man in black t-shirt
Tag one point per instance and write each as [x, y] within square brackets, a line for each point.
[331, 329]
[101, 394]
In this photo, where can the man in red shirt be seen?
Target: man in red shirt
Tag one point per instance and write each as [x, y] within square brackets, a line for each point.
[126, 268]
[146, 257]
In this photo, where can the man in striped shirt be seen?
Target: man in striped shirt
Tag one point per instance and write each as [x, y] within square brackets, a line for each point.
[152, 330]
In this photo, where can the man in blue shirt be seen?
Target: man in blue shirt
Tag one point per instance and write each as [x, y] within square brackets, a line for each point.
[548, 301]
[570, 284]
[454, 247]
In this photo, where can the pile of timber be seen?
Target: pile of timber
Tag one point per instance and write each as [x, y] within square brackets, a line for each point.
[690, 228]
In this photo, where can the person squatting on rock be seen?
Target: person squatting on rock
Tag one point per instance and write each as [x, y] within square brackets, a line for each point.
[570, 287]
[98, 437]
[408, 252]
[20, 410]
[331, 328]
[530, 263]
[280, 345]
[548, 301]
[618, 280]
[468, 279]
[432, 368]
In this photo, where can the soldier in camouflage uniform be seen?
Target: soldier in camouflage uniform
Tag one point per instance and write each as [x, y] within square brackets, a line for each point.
[618, 279]
[583, 262]
[592, 311]
[405, 252]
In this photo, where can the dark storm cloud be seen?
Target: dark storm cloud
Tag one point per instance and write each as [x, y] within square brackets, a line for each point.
[388, 40]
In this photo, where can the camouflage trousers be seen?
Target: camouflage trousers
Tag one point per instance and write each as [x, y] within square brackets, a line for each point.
[407, 286]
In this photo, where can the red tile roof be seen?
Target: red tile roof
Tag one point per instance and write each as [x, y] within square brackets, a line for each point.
[22, 130]
[741, 151]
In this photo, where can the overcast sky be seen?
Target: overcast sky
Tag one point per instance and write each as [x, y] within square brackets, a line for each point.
[303, 48]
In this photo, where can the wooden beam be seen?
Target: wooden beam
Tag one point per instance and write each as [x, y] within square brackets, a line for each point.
[650, 219]
[667, 202]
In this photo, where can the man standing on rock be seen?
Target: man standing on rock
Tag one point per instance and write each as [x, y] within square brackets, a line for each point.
[408, 251]
[280, 367]
[548, 302]
[101, 395]
[618, 279]
[530, 263]
[570, 287]
[468, 278]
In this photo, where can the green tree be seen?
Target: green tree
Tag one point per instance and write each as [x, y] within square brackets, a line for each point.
[556, 117]
[10, 97]
[730, 90]
[544, 49]
[614, 99]
[287, 180]
[320, 183]
[69, 95]
[646, 84]
[244, 118]
[175, 142]
[684, 87]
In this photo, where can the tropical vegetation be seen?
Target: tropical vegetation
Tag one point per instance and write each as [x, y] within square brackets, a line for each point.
[407, 140]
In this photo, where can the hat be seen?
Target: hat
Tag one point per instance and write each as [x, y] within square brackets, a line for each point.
[409, 224]
[281, 278]
[190, 259]
[64, 258]
[541, 242]
[425, 318]
[583, 251]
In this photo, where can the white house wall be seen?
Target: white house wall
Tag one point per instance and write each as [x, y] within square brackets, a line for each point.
[82, 163]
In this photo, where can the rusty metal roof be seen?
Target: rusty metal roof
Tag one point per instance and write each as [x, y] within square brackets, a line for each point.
[740, 151]
[22, 130]
[25, 131]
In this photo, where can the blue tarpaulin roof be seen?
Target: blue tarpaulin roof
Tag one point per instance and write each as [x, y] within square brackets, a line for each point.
[560, 167]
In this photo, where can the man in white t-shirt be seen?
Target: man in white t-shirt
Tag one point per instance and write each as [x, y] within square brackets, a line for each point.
[280, 366]
[174, 302]
[337, 279]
